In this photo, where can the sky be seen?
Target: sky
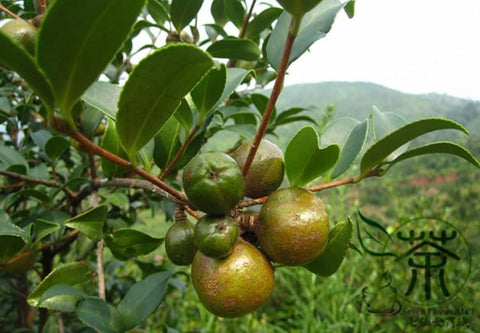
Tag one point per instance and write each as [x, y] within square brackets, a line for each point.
[415, 46]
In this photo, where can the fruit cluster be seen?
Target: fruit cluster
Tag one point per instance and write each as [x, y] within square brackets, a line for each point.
[233, 276]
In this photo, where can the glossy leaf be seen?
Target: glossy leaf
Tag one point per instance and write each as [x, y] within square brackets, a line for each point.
[77, 41]
[126, 243]
[111, 142]
[90, 222]
[56, 146]
[354, 144]
[387, 145]
[183, 12]
[314, 26]
[72, 274]
[61, 297]
[143, 298]
[234, 11]
[43, 228]
[235, 77]
[207, 93]
[16, 58]
[167, 143]
[100, 315]
[262, 22]
[217, 9]
[156, 8]
[304, 160]
[184, 115]
[10, 157]
[28, 193]
[12, 240]
[328, 262]
[154, 90]
[350, 8]
[103, 96]
[235, 48]
[438, 148]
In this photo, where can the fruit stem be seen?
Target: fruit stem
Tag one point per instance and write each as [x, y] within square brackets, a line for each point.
[276, 90]
[15, 16]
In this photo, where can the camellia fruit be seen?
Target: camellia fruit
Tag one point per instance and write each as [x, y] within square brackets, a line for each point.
[215, 236]
[179, 243]
[294, 226]
[213, 182]
[266, 172]
[22, 32]
[236, 284]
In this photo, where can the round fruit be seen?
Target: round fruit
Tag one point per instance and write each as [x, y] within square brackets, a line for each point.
[235, 285]
[179, 243]
[216, 236]
[294, 226]
[266, 172]
[22, 32]
[213, 182]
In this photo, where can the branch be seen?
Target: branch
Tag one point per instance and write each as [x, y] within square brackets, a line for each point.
[94, 149]
[15, 16]
[28, 179]
[277, 89]
[100, 272]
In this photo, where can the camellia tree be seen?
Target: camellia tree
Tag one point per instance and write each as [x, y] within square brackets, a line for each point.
[89, 141]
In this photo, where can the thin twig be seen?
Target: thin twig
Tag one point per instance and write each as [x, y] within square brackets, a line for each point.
[179, 153]
[29, 179]
[100, 272]
[15, 16]
[277, 89]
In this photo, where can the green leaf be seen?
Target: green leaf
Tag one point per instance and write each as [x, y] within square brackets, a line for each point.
[91, 119]
[90, 222]
[111, 142]
[12, 240]
[167, 143]
[156, 8]
[262, 22]
[30, 193]
[10, 157]
[16, 58]
[235, 77]
[351, 149]
[143, 298]
[217, 9]
[235, 48]
[350, 8]
[298, 8]
[183, 12]
[207, 93]
[436, 148]
[61, 297]
[328, 262]
[72, 274]
[56, 146]
[103, 96]
[100, 315]
[379, 151]
[234, 11]
[78, 39]
[126, 243]
[314, 26]
[43, 228]
[304, 160]
[184, 115]
[154, 90]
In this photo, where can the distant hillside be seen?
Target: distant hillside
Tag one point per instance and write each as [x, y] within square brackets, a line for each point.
[355, 99]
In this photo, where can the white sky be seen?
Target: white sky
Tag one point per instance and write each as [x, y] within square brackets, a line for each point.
[415, 46]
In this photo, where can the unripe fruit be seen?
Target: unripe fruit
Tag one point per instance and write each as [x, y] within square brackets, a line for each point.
[22, 32]
[294, 226]
[216, 236]
[236, 284]
[213, 182]
[179, 243]
[266, 172]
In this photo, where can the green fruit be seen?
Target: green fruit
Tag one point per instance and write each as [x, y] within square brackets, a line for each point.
[236, 284]
[213, 182]
[22, 32]
[179, 243]
[266, 172]
[216, 236]
[294, 226]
